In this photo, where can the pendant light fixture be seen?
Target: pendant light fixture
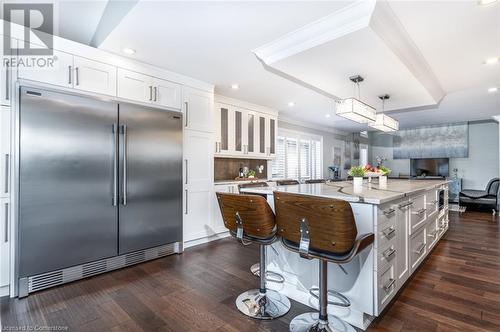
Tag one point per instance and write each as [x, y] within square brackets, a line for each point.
[384, 122]
[354, 109]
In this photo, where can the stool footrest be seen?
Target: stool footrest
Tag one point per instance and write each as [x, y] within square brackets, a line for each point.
[344, 301]
[270, 275]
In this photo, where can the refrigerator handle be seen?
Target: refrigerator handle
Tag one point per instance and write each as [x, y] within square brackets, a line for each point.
[115, 164]
[186, 211]
[187, 109]
[186, 180]
[125, 159]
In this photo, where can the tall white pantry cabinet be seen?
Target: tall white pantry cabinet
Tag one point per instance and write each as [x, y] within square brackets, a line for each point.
[96, 73]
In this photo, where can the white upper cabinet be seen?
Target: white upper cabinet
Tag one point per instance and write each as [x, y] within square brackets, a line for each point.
[240, 132]
[198, 110]
[134, 86]
[60, 73]
[147, 89]
[94, 76]
[166, 93]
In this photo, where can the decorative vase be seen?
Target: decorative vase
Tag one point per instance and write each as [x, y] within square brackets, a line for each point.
[358, 184]
[382, 181]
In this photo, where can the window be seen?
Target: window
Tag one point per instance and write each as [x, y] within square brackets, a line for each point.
[298, 156]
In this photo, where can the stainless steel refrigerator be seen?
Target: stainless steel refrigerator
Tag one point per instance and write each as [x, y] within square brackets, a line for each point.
[97, 179]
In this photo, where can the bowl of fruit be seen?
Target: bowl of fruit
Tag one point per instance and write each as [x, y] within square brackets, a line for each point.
[372, 172]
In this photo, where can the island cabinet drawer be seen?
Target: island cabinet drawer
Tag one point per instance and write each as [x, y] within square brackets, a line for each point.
[386, 286]
[442, 225]
[432, 201]
[417, 213]
[386, 214]
[386, 256]
[386, 234]
[432, 232]
[418, 248]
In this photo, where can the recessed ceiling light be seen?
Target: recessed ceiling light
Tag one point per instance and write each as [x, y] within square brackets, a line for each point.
[235, 86]
[491, 61]
[493, 89]
[128, 51]
[486, 2]
[291, 104]
[327, 115]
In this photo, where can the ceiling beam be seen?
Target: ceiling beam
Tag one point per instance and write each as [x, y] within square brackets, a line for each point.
[113, 14]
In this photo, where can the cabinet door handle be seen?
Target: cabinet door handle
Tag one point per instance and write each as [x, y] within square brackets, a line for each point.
[186, 180]
[389, 285]
[401, 206]
[420, 212]
[7, 80]
[433, 234]
[389, 231]
[7, 173]
[420, 249]
[156, 93]
[187, 111]
[388, 253]
[77, 80]
[70, 74]
[150, 93]
[186, 211]
[389, 212]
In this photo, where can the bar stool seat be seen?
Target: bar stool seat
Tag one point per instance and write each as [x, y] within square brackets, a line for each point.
[249, 219]
[324, 229]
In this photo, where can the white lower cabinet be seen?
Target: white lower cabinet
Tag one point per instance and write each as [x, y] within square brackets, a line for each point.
[418, 249]
[4, 242]
[402, 242]
[198, 185]
[94, 76]
[387, 285]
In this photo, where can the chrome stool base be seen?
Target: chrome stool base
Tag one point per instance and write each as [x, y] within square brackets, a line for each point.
[263, 306]
[344, 301]
[309, 322]
[270, 275]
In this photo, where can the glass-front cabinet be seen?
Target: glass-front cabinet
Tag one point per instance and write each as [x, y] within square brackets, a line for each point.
[242, 132]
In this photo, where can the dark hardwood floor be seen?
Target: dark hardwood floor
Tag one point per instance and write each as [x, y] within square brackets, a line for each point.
[456, 289]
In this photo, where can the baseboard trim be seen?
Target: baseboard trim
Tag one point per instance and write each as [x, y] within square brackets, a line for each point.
[4, 291]
[196, 242]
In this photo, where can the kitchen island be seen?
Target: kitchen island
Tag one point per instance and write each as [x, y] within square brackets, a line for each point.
[407, 217]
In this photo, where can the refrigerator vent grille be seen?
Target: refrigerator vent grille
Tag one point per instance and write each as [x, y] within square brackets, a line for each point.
[59, 277]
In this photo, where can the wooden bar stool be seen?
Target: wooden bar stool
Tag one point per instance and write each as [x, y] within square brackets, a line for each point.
[250, 220]
[255, 268]
[325, 229]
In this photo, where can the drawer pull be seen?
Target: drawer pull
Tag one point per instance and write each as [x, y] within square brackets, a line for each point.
[433, 234]
[389, 212]
[434, 202]
[388, 253]
[388, 286]
[389, 231]
[420, 212]
[401, 206]
[420, 249]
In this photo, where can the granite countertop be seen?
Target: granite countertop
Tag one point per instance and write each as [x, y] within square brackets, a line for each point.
[370, 193]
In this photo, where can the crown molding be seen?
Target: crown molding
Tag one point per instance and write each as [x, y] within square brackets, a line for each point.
[392, 32]
[340, 23]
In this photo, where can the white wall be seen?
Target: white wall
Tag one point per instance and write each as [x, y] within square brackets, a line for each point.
[476, 170]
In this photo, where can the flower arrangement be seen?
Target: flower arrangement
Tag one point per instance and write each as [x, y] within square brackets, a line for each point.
[251, 173]
[380, 161]
[356, 171]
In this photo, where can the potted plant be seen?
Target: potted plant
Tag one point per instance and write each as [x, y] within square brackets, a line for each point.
[251, 174]
[384, 172]
[357, 172]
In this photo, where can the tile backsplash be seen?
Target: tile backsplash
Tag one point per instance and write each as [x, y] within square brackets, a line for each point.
[228, 168]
